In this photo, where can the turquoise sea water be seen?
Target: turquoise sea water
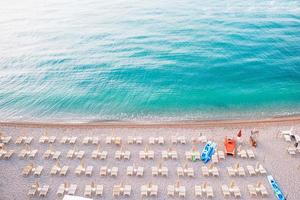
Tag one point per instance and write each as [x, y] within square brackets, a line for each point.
[129, 59]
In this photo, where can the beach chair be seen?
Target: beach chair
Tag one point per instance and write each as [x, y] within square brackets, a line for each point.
[33, 189]
[153, 190]
[73, 140]
[225, 191]
[221, 154]
[79, 169]
[127, 190]
[38, 170]
[252, 190]
[214, 171]
[44, 191]
[8, 154]
[174, 140]
[54, 170]
[130, 171]
[205, 171]
[242, 154]
[180, 171]
[108, 140]
[51, 139]
[95, 140]
[28, 140]
[47, 154]
[71, 154]
[181, 191]
[61, 190]
[118, 155]
[80, 154]
[198, 191]
[171, 190]
[190, 172]
[103, 155]
[260, 169]
[19, 140]
[236, 191]
[263, 190]
[5, 139]
[251, 170]
[127, 155]
[140, 171]
[103, 171]
[287, 138]
[23, 153]
[117, 190]
[209, 192]
[250, 153]
[231, 171]
[214, 158]
[43, 139]
[142, 155]
[32, 153]
[182, 139]
[64, 170]
[56, 155]
[151, 140]
[114, 171]
[86, 140]
[95, 154]
[292, 150]
[72, 189]
[27, 170]
[89, 171]
[88, 190]
[241, 171]
[144, 190]
[99, 190]
[64, 140]
[161, 140]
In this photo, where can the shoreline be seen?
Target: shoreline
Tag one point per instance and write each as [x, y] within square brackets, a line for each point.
[288, 120]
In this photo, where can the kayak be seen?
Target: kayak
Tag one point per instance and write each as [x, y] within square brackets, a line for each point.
[277, 191]
[208, 151]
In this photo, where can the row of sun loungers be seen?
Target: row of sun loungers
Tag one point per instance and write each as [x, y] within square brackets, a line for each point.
[31, 169]
[108, 140]
[240, 171]
[150, 190]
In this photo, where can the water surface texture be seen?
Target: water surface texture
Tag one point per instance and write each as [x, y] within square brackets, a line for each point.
[120, 60]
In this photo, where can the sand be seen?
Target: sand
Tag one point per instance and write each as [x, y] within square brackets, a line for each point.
[271, 152]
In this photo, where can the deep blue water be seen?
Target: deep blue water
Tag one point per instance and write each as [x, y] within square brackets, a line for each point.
[111, 60]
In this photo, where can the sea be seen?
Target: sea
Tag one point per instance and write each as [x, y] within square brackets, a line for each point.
[96, 60]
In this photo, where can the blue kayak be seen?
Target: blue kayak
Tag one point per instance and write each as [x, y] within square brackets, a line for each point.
[208, 151]
[277, 191]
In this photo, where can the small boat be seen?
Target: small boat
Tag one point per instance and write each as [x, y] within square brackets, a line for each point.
[230, 146]
[277, 191]
[208, 151]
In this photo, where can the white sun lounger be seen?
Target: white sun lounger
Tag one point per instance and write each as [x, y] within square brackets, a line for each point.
[252, 190]
[44, 191]
[89, 171]
[56, 155]
[72, 189]
[64, 170]
[61, 190]
[225, 191]
[250, 153]
[38, 170]
[251, 170]
[32, 153]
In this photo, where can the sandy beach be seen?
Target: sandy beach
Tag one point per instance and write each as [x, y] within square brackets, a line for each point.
[271, 153]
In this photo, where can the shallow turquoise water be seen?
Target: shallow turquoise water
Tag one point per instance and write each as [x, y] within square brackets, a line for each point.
[111, 60]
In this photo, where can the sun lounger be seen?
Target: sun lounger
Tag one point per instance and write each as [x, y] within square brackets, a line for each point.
[72, 189]
[182, 139]
[47, 154]
[27, 170]
[5, 139]
[86, 140]
[250, 153]
[287, 138]
[231, 171]
[79, 169]
[19, 140]
[54, 170]
[64, 170]
[88, 190]
[95, 140]
[252, 190]
[241, 171]
[251, 170]
[23, 153]
[89, 171]
[80, 154]
[260, 169]
[99, 190]
[38, 170]
[32, 153]
[236, 192]
[56, 155]
[205, 171]
[221, 154]
[171, 190]
[198, 191]
[8, 154]
[28, 140]
[33, 190]
[292, 150]
[61, 190]
[64, 140]
[214, 158]
[114, 171]
[180, 171]
[153, 190]
[242, 154]
[263, 190]
[144, 190]
[73, 140]
[44, 191]
[127, 190]
[43, 139]
[225, 191]
[214, 171]
[209, 192]
[52, 139]
[117, 190]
